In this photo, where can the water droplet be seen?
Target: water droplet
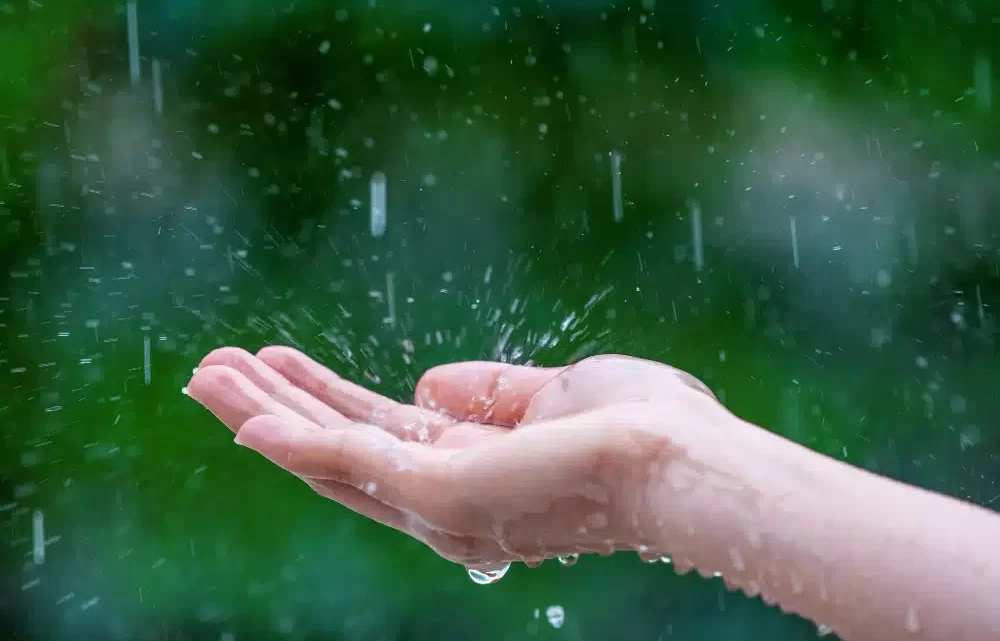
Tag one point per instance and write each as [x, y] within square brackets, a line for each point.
[736, 559]
[486, 576]
[556, 616]
[648, 556]
[665, 559]
[823, 630]
[569, 560]
[912, 621]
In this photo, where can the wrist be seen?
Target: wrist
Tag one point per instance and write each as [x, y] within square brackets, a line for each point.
[719, 488]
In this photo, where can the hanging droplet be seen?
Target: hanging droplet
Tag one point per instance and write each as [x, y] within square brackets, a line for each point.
[823, 630]
[486, 576]
[648, 556]
[569, 560]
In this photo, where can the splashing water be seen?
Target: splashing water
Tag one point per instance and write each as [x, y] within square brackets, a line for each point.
[487, 576]
[569, 560]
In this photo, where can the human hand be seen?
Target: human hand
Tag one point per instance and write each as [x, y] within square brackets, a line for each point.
[493, 463]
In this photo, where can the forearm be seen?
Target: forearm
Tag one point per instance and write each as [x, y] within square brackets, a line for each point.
[864, 556]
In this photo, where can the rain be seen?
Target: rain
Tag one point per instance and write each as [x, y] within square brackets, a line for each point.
[793, 202]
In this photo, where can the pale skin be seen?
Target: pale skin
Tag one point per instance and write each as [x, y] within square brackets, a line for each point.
[496, 463]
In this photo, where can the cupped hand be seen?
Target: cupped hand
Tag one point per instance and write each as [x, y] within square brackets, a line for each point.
[492, 463]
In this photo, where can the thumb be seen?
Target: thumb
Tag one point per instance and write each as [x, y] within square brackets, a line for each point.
[484, 392]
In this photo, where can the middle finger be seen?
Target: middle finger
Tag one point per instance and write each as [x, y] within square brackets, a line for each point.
[277, 386]
[406, 422]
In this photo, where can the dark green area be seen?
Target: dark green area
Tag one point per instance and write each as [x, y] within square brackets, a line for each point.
[240, 216]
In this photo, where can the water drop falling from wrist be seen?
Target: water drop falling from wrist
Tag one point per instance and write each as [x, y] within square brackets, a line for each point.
[487, 575]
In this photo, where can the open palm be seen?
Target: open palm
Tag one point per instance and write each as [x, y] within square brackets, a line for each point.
[493, 462]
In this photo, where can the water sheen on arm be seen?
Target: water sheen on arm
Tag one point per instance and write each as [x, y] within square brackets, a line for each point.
[860, 555]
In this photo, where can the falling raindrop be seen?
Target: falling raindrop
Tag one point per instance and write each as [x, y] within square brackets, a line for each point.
[696, 239]
[133, 42]
[616, 185]
[487, 576]
[147, 369]
[38, 537]
[795, 241]
[390, 295]
[157, 87]
[378, 204]
[556, 616]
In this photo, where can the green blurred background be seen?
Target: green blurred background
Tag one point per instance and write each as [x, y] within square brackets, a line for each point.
[842, 158]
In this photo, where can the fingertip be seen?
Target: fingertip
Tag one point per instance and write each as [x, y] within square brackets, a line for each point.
[224, 356]
[275, 355]
[208, 379]
[262, 433]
